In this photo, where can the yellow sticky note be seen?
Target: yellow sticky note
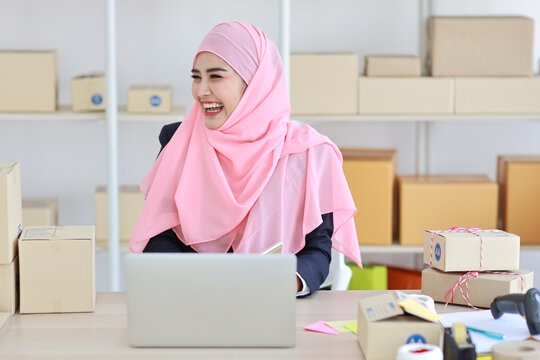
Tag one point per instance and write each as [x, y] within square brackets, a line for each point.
[340, 325]
[352, 326]
[415, 308]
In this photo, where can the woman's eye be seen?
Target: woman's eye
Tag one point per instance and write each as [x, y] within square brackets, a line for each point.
[215, 76]
[195, 77]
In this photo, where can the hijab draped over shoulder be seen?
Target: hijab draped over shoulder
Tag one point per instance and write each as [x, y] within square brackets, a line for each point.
[216, 188]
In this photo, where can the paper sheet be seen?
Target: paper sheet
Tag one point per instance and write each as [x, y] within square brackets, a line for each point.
[512, 326]
[340, 325]
[321, 327]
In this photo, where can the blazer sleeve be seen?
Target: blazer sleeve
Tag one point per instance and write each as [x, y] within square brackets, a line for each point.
[313, 261]
[167, 133]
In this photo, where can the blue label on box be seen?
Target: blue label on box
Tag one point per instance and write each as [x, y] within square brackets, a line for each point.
[155, 100]
[438, 252]
[416, 338]
[97, 99]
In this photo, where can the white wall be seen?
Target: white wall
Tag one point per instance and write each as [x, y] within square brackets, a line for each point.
[156, 42]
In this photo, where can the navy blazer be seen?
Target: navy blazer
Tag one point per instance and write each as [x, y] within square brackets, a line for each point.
[312, 262]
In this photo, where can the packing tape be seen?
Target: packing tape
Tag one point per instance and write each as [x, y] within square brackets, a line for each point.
[516, 350]
[419, 352]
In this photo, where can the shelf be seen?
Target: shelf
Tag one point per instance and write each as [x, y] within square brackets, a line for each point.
[412, 118]
[64, 113]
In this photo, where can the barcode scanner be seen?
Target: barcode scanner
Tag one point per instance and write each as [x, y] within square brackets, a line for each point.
[527, 305]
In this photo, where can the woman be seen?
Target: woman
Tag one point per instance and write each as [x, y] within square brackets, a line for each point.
[237, 176]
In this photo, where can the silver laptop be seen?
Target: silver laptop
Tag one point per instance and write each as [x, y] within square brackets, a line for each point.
[211, 300]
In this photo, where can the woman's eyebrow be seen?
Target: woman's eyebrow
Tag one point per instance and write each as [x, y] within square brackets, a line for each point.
[215, 69]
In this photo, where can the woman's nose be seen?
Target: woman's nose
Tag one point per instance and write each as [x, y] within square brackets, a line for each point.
[203, 89]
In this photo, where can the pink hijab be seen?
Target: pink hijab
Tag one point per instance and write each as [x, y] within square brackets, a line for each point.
[258, 179]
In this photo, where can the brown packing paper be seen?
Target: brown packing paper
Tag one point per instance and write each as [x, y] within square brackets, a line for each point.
[9, 296]
[482, 289]
[442, 201]
[480, 46]
[57, 271]
[471, 250]
[149, 99]
[371, 178]
[383, 328]
[333, 91]
[10, 210]
[29, 81]
[519, 183]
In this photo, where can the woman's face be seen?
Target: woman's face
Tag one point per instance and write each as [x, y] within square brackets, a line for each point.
[217, 88]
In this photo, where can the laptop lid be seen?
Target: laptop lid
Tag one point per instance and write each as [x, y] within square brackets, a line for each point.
[211, 300]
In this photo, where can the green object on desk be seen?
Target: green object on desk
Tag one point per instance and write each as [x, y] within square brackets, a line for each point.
[370, 277]
[487, 333]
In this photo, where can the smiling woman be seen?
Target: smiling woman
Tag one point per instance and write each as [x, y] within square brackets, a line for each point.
[237, 176]
[217, 88]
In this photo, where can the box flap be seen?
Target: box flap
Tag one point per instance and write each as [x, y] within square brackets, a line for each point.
[91, 75]
[58, 233]
[380, 307]
[6, 167]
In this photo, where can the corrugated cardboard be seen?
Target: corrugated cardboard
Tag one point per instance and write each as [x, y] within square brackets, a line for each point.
[497, 95]
[57, 271]
[149, 99]
[471, 251]
[480, 46]
[371, 176]
[89, 92]
[10, 210]
[383, 327]
[130, 203]
[519, 182]
[444, 201]
[392, 65]
[29, 81]
[421, 95]
[333, 90]
[9, 287]
[39, 211]
[482, 290]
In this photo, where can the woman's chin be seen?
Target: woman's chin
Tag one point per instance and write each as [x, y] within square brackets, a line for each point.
[214, 122]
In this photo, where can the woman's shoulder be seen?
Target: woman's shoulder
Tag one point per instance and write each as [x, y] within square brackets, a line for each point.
[167, 132]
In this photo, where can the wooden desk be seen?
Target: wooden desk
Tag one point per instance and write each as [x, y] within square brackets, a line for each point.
[103, 334]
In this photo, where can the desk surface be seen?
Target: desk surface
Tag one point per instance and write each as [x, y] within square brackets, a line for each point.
[103, 333]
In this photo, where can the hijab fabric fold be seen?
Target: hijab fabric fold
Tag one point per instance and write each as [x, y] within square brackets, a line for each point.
[226, 187]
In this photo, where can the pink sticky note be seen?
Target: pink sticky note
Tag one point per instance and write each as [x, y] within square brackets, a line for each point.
[321, 327]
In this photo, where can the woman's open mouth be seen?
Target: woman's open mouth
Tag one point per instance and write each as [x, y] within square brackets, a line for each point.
[212, 108]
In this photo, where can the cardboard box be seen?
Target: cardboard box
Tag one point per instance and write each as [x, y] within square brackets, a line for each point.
[130, 203]
[444, 201]
[480, 250]
[497, 95]
[57, 271]
[333, 90]
[371, 176]
[370, 277]
[39, 212]
[480, 46]
[29, 81]
[9, 287]
[421, 95]
[10, 210]
[89, 92]
[149, 99]
[383, 327]
[392, 66]
[519, 182]
[482, 289]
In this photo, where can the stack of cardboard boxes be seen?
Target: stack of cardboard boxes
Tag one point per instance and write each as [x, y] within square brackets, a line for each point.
[472, 266]
[10, 226]
[477, 65]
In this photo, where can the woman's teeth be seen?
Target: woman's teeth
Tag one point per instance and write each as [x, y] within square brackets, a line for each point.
[212, 107]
